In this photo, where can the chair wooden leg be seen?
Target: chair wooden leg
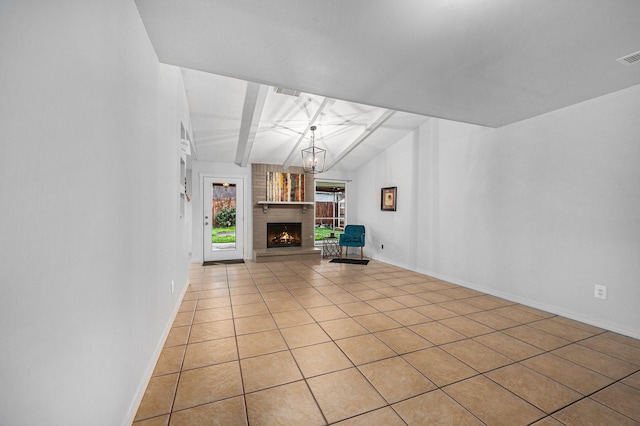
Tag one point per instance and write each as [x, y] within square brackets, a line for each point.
[360, 253]
[340, 252]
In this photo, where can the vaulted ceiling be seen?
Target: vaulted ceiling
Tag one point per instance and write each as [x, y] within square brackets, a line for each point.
[370, 71]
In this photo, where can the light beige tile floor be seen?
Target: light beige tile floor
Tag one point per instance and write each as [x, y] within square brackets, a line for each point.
[325, 343]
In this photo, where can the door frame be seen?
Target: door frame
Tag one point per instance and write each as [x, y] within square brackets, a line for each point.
[242, 214]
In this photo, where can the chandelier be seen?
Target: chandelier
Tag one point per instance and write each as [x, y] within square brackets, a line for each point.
[312, 157]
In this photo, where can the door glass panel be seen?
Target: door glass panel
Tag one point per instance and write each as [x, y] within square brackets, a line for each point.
[330, 209]
[223, 215]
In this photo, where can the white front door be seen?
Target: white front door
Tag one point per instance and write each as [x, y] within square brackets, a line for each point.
[223, 214]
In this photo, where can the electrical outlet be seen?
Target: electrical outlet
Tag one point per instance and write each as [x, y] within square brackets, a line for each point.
[172, 287]
[601, 292]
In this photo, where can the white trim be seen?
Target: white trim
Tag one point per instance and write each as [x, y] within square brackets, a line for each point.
[515, 298]
[137, 399]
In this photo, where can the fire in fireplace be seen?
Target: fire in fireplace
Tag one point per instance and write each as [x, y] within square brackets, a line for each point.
[284, 234]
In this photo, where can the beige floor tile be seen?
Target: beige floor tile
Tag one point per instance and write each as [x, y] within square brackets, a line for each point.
[460, 307]
[158, 397]
[344, 394]
[403, 340]
[342, 328]
[434, 408]
[227, 412]
[292, 318]
[342, 298]
[216, 314]
[410, 300]
[622, 398]
[211, 330]
[495, 321]
[508, 346]
[476, 355]
[385, 304]
[547, 421]
[183, 319]
[367, 295]
[210, 352]
[570, 374]
[383, 416]
[390, 292]
[269, 370]
[516, 314]
[564, 331]
[377, 322]
[407, 313]
[437, 333]
[326, 313]
[240, 311]
[614, 347]
[587, 327]
[320, 359]
[215, 302]
[154, 421]
[222, 292]
[271, 286]
[170, 360]
[208, 384]
[304, 335]
[314, 301]
[540, 391]
[187, 306]
[435, 312]
[536, 337]
[290, 404]
[396, 379]
[589, 412]
[466, 326]
[254, 324]
[434, 297]
[488, 302]
[633, 381]
[407, 316]
[237, 291]
[439, 367]
[491, 403]
[283, 305]
[331, 288]
[260, 343]
[277, 295]
[535, 311]
[460, 293]
[357, 308]
[604, 364]
[363, 349]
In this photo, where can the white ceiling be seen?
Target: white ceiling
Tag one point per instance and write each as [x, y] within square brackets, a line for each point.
[487, 62]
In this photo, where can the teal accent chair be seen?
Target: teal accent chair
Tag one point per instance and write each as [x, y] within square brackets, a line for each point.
[353, 236]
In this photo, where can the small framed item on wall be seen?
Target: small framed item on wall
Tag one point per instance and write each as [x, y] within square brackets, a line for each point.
[389, 198]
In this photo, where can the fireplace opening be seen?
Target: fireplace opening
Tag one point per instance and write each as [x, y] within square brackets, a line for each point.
[284, 234]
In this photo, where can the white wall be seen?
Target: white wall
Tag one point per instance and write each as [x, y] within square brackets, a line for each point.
[538, 212]
[91, 235]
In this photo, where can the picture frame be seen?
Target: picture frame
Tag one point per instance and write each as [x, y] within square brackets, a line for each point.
[389, 198]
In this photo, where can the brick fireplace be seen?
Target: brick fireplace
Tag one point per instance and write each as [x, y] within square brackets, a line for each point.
[291, 213]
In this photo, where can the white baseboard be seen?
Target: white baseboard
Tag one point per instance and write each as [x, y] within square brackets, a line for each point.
[133, 409]
[557, 310]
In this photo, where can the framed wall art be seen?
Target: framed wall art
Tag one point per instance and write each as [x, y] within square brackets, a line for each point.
[389, 198]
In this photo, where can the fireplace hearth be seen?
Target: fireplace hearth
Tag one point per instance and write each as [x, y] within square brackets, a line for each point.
[284, 234]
